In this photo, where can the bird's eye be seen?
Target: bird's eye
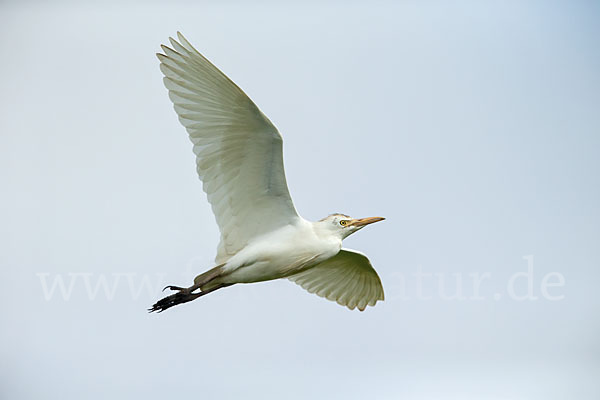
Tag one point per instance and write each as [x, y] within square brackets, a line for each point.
[343, 222]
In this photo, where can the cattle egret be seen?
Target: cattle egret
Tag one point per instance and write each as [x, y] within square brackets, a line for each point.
[239, 160]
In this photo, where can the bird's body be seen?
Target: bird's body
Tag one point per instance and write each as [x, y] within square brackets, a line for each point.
[239, 160]
[281, 253]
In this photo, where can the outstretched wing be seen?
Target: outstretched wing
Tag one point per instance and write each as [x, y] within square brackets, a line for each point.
[238, 150]
[347, 278]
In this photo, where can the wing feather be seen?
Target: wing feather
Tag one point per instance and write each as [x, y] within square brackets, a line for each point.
[348, 278]
[238, 150]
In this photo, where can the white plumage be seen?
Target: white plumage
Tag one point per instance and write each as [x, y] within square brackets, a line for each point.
[239, 160]
[347, 278]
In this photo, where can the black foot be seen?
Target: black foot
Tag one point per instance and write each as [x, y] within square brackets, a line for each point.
[183, 296]
[171, 287]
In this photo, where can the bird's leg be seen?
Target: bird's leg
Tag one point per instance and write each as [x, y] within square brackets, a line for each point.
[183, 295]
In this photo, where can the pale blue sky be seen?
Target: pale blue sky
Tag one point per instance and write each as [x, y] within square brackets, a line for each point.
[473, 126]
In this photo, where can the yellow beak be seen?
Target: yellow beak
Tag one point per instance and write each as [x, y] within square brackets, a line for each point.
[365, 221]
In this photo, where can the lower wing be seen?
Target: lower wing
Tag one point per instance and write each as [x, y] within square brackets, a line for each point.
[347, 278]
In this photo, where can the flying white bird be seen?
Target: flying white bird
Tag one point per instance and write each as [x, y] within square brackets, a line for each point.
[239, 160]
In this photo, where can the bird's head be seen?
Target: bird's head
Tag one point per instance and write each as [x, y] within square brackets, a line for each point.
[343, 226]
